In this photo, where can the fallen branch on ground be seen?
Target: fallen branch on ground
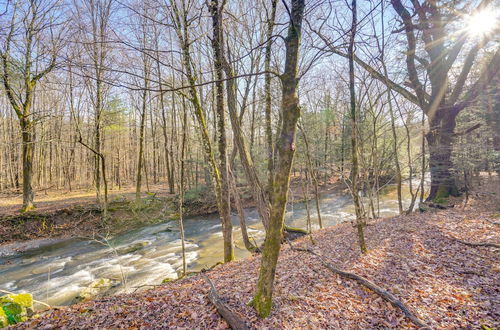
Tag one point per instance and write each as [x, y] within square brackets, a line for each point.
[372, 286]
[144, 286]
[230, 317]
[477, 244]
[493, 222]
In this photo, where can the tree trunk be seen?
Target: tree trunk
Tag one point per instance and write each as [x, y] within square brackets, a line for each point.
[395, 150]
[439, 140]
[285, 147]
[314, 177]
[268, 97]
[140, 154]
[97, 140]
[181, 188]
[28, 194]
[224, 207]
[354, 138]
[241, 213]
[258, 192]
[422, 148]
[182, 31]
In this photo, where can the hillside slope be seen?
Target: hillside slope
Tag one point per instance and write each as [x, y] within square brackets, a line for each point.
[418, 258]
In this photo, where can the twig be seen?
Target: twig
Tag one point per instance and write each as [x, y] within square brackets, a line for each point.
[230, 317]
[143, 286]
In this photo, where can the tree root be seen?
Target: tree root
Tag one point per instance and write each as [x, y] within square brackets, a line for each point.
[292, 233]
[386, 295]
[229, 316]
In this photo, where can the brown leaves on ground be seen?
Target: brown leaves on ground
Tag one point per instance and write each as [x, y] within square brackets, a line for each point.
[446, 283]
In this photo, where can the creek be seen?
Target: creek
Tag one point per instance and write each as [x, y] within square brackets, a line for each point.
[57, 273]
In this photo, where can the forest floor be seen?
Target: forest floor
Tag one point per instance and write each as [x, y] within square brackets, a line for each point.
[419, 258]
[61, 215]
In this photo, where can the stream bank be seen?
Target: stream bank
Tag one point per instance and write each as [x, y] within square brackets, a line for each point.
[418, 258]
[64, 220]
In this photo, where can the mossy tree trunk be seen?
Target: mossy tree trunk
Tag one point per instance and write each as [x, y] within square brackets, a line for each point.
[181, 25]
[181, 187]
[27, 139]
[224, 203]
[354, 134]
[285, 148]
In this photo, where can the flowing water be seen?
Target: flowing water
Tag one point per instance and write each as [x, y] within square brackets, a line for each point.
[57, 273]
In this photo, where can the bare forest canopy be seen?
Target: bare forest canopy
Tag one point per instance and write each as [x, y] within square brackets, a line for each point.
[226, 95]
[111, 74]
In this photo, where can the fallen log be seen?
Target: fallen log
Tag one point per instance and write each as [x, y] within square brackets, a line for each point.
[229, 316]
[386, 295]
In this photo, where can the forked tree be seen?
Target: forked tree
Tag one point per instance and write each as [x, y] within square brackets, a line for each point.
[27, 54]
[285, 147]
[182, 24]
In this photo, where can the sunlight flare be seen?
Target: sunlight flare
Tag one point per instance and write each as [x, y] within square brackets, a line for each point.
[483, 22]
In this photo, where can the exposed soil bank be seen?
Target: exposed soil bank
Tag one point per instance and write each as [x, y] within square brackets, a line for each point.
[419, 258]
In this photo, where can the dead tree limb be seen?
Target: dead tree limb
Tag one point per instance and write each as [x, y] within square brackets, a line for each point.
[386, 295]
[486, 244]
[493, 222]
[229, 316]
[467, 131]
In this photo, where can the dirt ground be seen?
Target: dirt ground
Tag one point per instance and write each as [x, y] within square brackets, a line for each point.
[47, 201]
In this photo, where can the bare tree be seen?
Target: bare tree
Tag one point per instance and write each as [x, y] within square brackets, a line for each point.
[182, 26]
[218, 49]
[33, 29]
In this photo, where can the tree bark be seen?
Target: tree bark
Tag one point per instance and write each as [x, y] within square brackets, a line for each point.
[224, 209]
[140, 154]
[439, 141]
[268, 97]
[354, 133]
[27, 138]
